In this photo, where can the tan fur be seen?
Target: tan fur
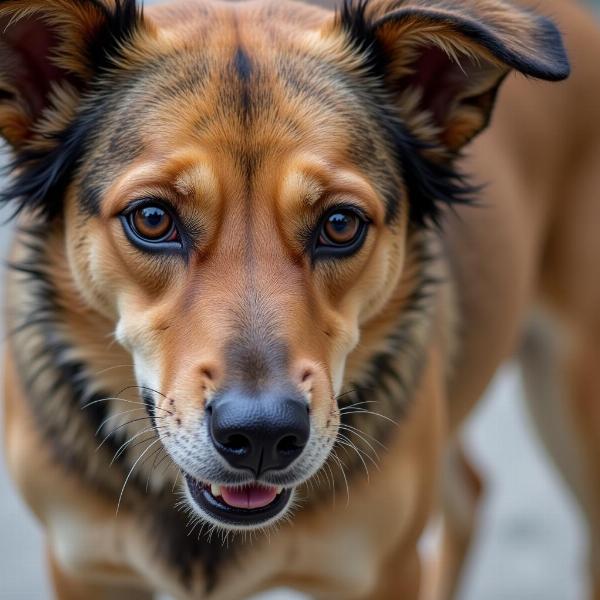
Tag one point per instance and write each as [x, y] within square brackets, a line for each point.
[533, 239]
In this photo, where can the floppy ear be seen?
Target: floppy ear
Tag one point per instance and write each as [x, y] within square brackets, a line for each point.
[443, 60]
[49, 52]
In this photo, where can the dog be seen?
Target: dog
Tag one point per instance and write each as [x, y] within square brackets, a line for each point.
[263, 271]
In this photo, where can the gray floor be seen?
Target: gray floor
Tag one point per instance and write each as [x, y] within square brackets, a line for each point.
[531, 542]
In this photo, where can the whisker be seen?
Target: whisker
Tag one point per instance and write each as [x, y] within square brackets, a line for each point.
[160, 462]
[176, 480]
[361, 433]
[113, 431]
[373, 461]
[370, 412]
[356, 390]
[116, 398]
[155, 454]
[358, 434]
[112, 368]
[348, 444]
[131, 471]
[354, 404]
[332, 484]
[115, 416]
[124, 445]
[340, 464]
[142, 387]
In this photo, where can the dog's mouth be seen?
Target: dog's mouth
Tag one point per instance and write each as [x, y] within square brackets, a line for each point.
[248, 505]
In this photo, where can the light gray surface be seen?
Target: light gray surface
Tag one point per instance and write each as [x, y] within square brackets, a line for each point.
[530, 544]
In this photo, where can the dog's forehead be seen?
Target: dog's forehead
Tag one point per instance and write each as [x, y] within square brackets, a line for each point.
[251, 82]
[182, 15]
[251, 62]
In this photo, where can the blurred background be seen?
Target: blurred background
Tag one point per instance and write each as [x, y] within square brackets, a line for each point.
[531, 543]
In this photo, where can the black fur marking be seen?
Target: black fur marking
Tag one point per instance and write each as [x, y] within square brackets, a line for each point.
[41, 177]
[54, 354]
[243, 66]
[430, 185]
[243, 69]
[171, 530]
[148, 400]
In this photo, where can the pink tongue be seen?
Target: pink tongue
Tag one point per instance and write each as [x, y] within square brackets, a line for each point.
[250, 496]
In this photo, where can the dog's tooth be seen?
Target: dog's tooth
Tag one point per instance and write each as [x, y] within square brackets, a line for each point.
[215, 489]
[279, 489]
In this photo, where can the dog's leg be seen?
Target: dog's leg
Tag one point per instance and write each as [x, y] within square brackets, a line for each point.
[562, 380]
[462, 488]
[68, 587]
[583, 382]
[399, 577]
[561, 355]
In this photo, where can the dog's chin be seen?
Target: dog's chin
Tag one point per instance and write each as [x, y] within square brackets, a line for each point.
[238, 507]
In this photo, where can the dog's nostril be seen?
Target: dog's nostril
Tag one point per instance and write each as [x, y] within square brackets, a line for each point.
[238, 443]
[290, 444]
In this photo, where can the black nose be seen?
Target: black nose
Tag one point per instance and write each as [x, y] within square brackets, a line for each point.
[259, 433]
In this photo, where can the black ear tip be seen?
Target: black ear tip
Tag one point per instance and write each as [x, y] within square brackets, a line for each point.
[541, 54]
[555, 65]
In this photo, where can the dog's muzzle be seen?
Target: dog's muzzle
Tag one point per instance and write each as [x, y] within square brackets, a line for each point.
[259, 436]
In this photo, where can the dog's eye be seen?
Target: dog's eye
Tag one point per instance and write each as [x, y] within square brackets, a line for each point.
[153, 226]
[152, 223]
[341, 232]
[340, 228]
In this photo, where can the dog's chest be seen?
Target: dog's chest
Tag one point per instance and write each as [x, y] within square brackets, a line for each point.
[326, 557]
[338, 562]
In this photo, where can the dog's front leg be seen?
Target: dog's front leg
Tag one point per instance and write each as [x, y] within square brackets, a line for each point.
[402, 573]
[68, 587]
[399, 578]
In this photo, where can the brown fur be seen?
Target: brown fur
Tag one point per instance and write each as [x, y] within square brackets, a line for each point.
[251, 119]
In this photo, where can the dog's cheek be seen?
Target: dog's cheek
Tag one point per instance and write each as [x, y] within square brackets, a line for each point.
[383, 273]
[82, 253]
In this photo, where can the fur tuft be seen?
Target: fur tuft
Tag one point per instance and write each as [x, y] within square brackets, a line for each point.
[40, 173]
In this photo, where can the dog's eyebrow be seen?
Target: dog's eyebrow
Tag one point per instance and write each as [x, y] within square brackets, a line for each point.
[301, 187]
[307, 183]
[198, 180]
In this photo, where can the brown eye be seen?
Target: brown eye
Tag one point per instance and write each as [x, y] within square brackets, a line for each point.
[341, 233]
[341, 228]
[152, 223]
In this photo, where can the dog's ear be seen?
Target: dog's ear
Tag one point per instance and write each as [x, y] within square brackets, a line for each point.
[443, 60]
[49, 52]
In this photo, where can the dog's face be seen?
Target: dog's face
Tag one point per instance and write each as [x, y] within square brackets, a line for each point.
[238, 185]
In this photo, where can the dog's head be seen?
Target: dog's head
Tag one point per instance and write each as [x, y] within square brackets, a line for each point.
[236, 185]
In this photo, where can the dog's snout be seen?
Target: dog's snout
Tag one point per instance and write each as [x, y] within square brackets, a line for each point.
[259, 433]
